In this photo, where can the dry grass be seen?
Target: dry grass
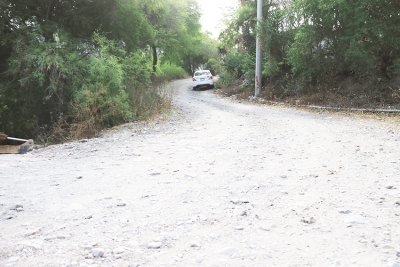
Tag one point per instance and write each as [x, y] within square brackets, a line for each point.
[86, 122]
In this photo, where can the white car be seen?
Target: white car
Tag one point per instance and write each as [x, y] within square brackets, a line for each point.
[203, 78]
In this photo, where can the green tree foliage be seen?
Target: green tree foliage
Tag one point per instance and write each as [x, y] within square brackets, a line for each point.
[238, 41]
[168, 22]
[346, 36]
[205, 54]
[319, 39]
[85, 64]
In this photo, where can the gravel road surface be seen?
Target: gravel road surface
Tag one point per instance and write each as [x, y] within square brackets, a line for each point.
[218, 183]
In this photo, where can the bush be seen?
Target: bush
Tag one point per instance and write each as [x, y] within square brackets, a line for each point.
[95, 108]
[214, 65]
[171, 71]
[39, 83]
[68, 88]
[240, 64]
[225, 80]
[101, 100]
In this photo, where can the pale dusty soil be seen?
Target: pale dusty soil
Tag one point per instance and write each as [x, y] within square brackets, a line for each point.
[219, 183]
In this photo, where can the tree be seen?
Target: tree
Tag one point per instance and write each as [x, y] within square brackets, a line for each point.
[340, 36]
[192, 38]
[317, 40]
[87, 61]
[165, 18]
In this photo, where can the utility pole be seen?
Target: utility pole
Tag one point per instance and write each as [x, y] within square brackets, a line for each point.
[258, 50]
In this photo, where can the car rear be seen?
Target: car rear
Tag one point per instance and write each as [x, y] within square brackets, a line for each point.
[203, 78]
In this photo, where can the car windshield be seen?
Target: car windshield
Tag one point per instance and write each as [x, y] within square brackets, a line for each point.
[200, 73]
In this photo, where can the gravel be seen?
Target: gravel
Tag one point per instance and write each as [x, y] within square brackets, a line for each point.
[216, 183]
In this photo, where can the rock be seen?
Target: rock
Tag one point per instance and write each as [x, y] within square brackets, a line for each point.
[134, 265]
[190, 175]
[195, 244]
[390, 187]
[118, 250]
[398, 253]
[50, 237]
[356, 219]
[159, 239]
[7, 217]
[239, 201]
[265, 228]
[18, 248]
[15, 206]
[61, 236]
[235, 201]
[90, 245]
[33, 243]
[308, 220]
[98, 252]
[239, 227]
[154, 245]
[203, 218]
[345, 211]
[26, 147]
[121, 204]
[32, 232]
[20, 209]
[87, 217]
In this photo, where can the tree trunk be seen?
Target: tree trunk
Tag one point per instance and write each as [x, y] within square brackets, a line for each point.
[155, 59]
[190, 68]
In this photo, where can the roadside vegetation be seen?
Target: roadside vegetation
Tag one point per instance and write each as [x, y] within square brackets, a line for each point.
[71, 68]
[332, 52]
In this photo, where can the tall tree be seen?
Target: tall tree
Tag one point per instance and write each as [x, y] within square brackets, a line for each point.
[359, 37]
[86, 57]
[176, 28]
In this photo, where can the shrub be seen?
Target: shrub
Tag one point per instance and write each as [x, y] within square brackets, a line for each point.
[171, 71]
[214, 65]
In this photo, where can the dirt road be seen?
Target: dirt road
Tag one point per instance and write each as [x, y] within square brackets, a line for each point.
[219, 183]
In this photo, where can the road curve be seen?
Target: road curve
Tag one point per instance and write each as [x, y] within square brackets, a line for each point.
[219, 183]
